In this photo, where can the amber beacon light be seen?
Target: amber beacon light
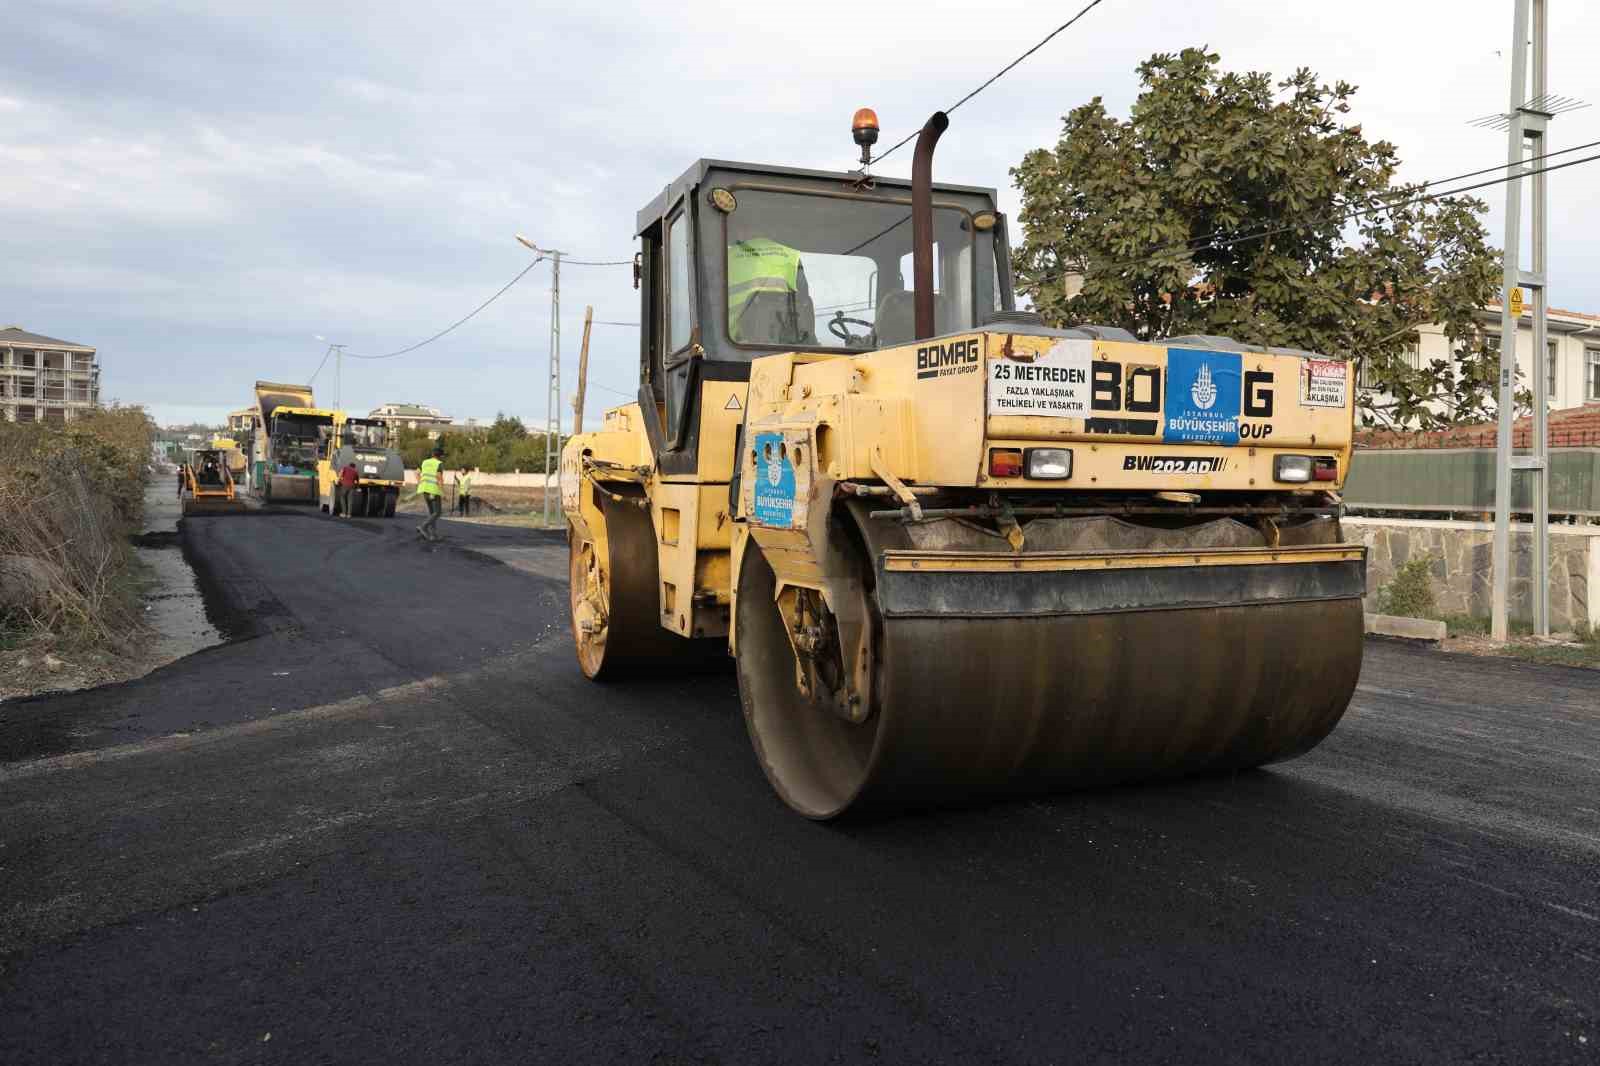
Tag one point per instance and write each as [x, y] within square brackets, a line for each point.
[864, 128]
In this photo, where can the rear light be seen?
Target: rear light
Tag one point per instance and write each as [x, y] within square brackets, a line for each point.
[1299, 468]
[1005, 462]
[1048, 464]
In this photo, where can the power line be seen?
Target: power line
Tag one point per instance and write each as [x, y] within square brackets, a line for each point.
[609, 322]
[1213, 242]
[1001, 73]
[1204, 242]
[320, 365]
[474, 312]
[458, 322]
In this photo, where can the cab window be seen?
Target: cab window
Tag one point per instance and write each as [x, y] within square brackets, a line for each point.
[678, 295]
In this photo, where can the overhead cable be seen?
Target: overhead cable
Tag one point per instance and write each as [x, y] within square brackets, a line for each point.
[1220, 240]
[320, 365]
[1002, 72]
[458, 322]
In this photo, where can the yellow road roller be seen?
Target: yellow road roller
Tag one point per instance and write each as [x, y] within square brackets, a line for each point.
[953, 552]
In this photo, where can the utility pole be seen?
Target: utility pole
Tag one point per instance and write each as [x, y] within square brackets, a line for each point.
[583, 372]
[552, 429]
[338, 376]
[1527, 122]
[552, 419]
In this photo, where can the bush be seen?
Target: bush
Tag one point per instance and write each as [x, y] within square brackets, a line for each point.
[69, 496]
[1410, 593]
[501, 448]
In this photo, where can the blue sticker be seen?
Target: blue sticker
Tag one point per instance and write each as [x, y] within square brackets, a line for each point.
[1204, 390]
[774, 487]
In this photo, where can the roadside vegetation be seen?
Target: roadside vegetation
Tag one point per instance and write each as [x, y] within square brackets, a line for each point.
[70, 497]
[503, 447]
[1249, 205]
[1410, 594]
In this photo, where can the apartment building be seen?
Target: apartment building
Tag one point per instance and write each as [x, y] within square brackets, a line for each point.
[43, 379]
[409, 416]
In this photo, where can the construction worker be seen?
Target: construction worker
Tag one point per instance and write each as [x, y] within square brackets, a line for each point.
[428, 477]
[464, 492]
[769, 301]
[345, 489]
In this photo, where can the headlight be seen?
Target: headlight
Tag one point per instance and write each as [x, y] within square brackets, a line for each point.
[1297, 468]
[1292, 468]
[1049, 464]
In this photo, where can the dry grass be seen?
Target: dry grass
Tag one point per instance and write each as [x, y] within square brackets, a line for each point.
[69, 497]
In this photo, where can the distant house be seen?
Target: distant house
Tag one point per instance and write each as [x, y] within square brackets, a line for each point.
[241, 423]
[46, 380]
[1571, 363]
[409, 416]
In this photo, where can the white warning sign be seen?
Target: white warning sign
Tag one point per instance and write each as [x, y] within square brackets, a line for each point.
[1324, 383]
[1055, 384]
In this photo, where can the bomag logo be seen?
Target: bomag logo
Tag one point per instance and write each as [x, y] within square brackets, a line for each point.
[944, 360]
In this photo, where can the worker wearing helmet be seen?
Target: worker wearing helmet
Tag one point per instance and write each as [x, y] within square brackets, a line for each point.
[428, 480]
[769, 301]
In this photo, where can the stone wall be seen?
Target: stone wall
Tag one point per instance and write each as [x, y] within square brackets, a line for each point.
[1462, 555]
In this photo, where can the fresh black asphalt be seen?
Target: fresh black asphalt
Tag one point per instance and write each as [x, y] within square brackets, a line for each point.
[390, 822]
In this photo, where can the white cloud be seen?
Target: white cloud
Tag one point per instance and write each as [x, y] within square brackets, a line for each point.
[200, 188]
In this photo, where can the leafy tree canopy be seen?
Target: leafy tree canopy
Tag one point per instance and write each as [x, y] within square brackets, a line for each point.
[1238, 205]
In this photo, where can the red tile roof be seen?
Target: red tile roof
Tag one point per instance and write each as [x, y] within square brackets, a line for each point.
[1569, 427]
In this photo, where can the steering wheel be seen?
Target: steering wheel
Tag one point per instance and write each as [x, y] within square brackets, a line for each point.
[839, 326]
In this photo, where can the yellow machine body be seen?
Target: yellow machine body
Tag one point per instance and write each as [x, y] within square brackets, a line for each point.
[921, 615]
[380, 471]
[297, 439]
[208, 485]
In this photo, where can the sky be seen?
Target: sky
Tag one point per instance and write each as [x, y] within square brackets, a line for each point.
[202, 190]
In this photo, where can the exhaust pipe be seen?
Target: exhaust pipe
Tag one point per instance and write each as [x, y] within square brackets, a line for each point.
[922, 222]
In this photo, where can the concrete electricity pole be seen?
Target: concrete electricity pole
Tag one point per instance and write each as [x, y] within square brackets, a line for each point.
[338, 376]
[1527, 122]
[552, 426]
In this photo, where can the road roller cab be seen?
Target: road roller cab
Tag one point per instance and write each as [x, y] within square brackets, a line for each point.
[954, 552]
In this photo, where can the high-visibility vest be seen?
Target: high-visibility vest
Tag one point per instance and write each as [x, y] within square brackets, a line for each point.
[428, 477]
[466, 484]
[755, 266]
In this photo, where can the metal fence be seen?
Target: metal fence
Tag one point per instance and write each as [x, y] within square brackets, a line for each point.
[1462, 480]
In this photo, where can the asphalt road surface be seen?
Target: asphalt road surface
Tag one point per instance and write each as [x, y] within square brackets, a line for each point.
[390, 822]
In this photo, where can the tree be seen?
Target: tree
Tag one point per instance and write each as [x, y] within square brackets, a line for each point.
[1230, 204]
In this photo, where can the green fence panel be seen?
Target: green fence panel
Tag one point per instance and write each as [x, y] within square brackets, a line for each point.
[1462, 479]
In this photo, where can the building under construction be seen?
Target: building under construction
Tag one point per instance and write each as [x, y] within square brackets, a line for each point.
[46, 380]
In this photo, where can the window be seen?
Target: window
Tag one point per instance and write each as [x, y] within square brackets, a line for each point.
[1552, 374]
[825, 271]
[1410, 356]
[1591, 358]
[678, 282]
[1369, 375]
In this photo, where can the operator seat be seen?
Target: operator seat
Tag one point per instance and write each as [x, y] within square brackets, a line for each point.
[896, 320]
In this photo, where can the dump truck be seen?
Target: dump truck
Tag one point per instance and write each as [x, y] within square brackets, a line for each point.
[208, 485]
[380, 470]
[954, 552]
[291, 437]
